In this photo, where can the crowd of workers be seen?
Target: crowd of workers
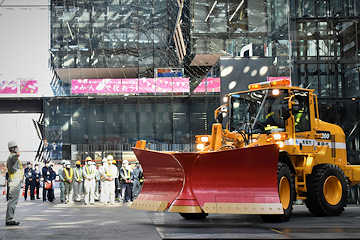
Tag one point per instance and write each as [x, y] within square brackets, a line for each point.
[105, 183]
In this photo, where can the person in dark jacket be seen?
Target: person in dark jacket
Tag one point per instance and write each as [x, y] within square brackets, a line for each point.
[126, 177]
[29, 175]
[37, 180]
[48, 175]
[54, 178]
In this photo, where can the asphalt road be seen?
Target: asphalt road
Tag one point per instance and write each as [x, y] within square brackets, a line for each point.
[77, 221]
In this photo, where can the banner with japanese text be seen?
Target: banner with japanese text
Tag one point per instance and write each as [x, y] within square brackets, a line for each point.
[130, 85]
[79, 86]
[19, 86]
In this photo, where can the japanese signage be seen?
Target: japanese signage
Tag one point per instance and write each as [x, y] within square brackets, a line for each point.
[24, 86]
[168, 72]
[130, 85]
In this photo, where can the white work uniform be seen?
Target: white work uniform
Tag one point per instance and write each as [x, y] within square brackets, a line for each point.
[89, 173]
[102, 182]
[110, 171]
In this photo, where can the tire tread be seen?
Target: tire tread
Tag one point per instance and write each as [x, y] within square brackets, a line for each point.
[313, 201]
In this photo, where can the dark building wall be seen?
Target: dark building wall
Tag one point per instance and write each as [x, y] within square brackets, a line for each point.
[171, 120]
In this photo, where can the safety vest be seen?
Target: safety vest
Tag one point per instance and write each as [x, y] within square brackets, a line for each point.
[78, 175]
[298, 117]
[108, 171]
[126, 172]
[141, 177]
[87, 170]
[67, 174]
[18, 173]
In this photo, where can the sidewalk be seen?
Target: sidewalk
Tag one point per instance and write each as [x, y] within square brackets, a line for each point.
[76, 221]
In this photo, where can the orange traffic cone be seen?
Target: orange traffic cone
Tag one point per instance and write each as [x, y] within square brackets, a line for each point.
[3, 191]
[23, 191]
[35, 192]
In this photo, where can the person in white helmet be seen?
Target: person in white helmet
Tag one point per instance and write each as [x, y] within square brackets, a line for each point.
[103, 177]
[97, 182]
[68, 175]
[111, 173]
[89, 173]
[16, 175]
[126, 176]
[62, 185]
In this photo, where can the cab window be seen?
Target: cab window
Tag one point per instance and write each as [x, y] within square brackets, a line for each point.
[301, 111]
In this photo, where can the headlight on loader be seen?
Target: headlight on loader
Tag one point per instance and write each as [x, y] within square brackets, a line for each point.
[200, 146]
[277, 136]
[281, 144]
[204, 139]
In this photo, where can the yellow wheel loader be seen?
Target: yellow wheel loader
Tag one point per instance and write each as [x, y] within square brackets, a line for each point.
[273, 151]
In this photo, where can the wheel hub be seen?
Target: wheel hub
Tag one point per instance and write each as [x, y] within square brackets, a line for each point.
[284, 192]
[332, 190]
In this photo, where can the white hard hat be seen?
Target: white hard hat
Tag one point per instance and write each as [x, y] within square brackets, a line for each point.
[67, 163]
[125, 162]
[104, 160]
[110, 157]
[12, 143]
[63, 162]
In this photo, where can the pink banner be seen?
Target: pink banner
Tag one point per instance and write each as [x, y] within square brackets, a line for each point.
[146, 85]
[96, 86]
[213, 85]
[163, 85]
[113, 86]
[8, 87]
[29, 86]
[277, 78]
[181, 85]
[129, 85]
[201, 87]
[79, 86]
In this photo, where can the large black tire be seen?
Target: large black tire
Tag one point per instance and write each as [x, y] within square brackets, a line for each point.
[327, 190]
[194, 216]
[286, 194]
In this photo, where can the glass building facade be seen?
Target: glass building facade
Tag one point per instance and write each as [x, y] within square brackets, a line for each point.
[316, 43]
[124, 120]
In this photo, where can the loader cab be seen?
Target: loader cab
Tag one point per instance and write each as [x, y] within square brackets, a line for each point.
[261, 110]
[269, 109]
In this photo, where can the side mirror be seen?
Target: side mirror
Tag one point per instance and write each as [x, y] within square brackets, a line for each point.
[285, 113]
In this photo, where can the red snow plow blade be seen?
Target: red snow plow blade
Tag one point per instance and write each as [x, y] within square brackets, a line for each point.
[240, 181]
